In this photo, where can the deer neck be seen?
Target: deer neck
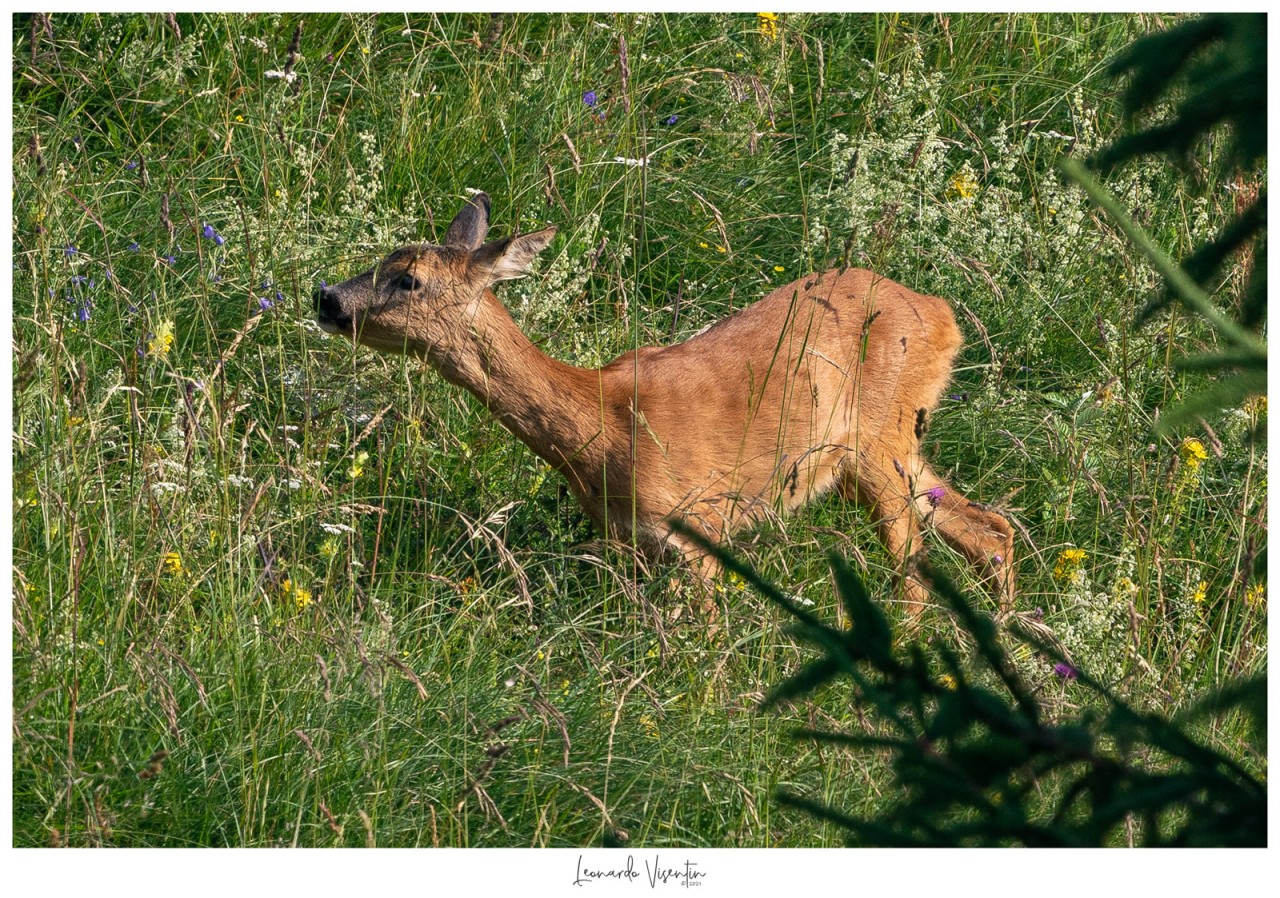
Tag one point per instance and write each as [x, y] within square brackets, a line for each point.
[556, 409]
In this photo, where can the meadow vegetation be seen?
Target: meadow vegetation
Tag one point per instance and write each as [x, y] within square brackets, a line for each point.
[273, 590]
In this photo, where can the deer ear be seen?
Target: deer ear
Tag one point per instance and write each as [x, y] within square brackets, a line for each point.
[468, 229]
[504, 260]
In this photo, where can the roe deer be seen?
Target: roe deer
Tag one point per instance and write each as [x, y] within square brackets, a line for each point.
[825, 383]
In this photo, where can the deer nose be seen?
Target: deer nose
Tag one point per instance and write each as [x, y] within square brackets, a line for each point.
[326, 304]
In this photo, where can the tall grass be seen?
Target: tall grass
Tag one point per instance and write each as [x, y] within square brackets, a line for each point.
[269, 589]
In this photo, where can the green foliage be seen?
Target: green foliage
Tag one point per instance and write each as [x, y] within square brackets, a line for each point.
[981, 758]
[1213, 69]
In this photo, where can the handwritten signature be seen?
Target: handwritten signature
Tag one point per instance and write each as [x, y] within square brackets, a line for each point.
[656, 874]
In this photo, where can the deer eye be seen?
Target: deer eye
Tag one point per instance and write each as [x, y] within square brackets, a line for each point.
[408, 282]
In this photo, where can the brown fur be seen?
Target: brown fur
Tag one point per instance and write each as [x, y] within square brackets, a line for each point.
[824, 384]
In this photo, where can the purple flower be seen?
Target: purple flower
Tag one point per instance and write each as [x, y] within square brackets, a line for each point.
[208, 232]
[130, 165]
[672, 120]
[69, 251]
[1065, 670]
[171, 259]
[133, 247]
[264, 303]
[83, 312]
[935, 494]
[589, 98]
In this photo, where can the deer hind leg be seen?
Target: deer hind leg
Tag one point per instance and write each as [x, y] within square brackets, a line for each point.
[982, 536]
[882, 484]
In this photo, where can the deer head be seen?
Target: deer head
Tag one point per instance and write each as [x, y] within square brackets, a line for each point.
[425, 299]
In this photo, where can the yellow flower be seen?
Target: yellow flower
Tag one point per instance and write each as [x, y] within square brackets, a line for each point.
[737, 582]
[768, 24]
[301, 597]
[173, 564]
[650, 725]
[947, 681]
[779, 268]
[329, 548]
[239, 118]
[357, 466]
[1199, 594]
[1067, 570]
[162, 340]
[1256, 595]
[1193, 453]
[963, 185]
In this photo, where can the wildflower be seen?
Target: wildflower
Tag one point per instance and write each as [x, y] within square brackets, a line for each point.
[934, 495]
[210, 234]
[1193, 453]
[264, 304]
[161, 341]
[779, 268]
[171, 259]
[301, 597]
[1066, 671]
[173, 564]
[1067, 569]
[1201, 590]
[650, 726]
[130, 165]
[357, 466]
[589, 98]
[329, 548]
[83, 312]
[69, 251]
[737, 582]
[1256, 594]
[133, 247]
[239, 118]
[671, 120]
[947, 681]
[768, 22]
[963, 185]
